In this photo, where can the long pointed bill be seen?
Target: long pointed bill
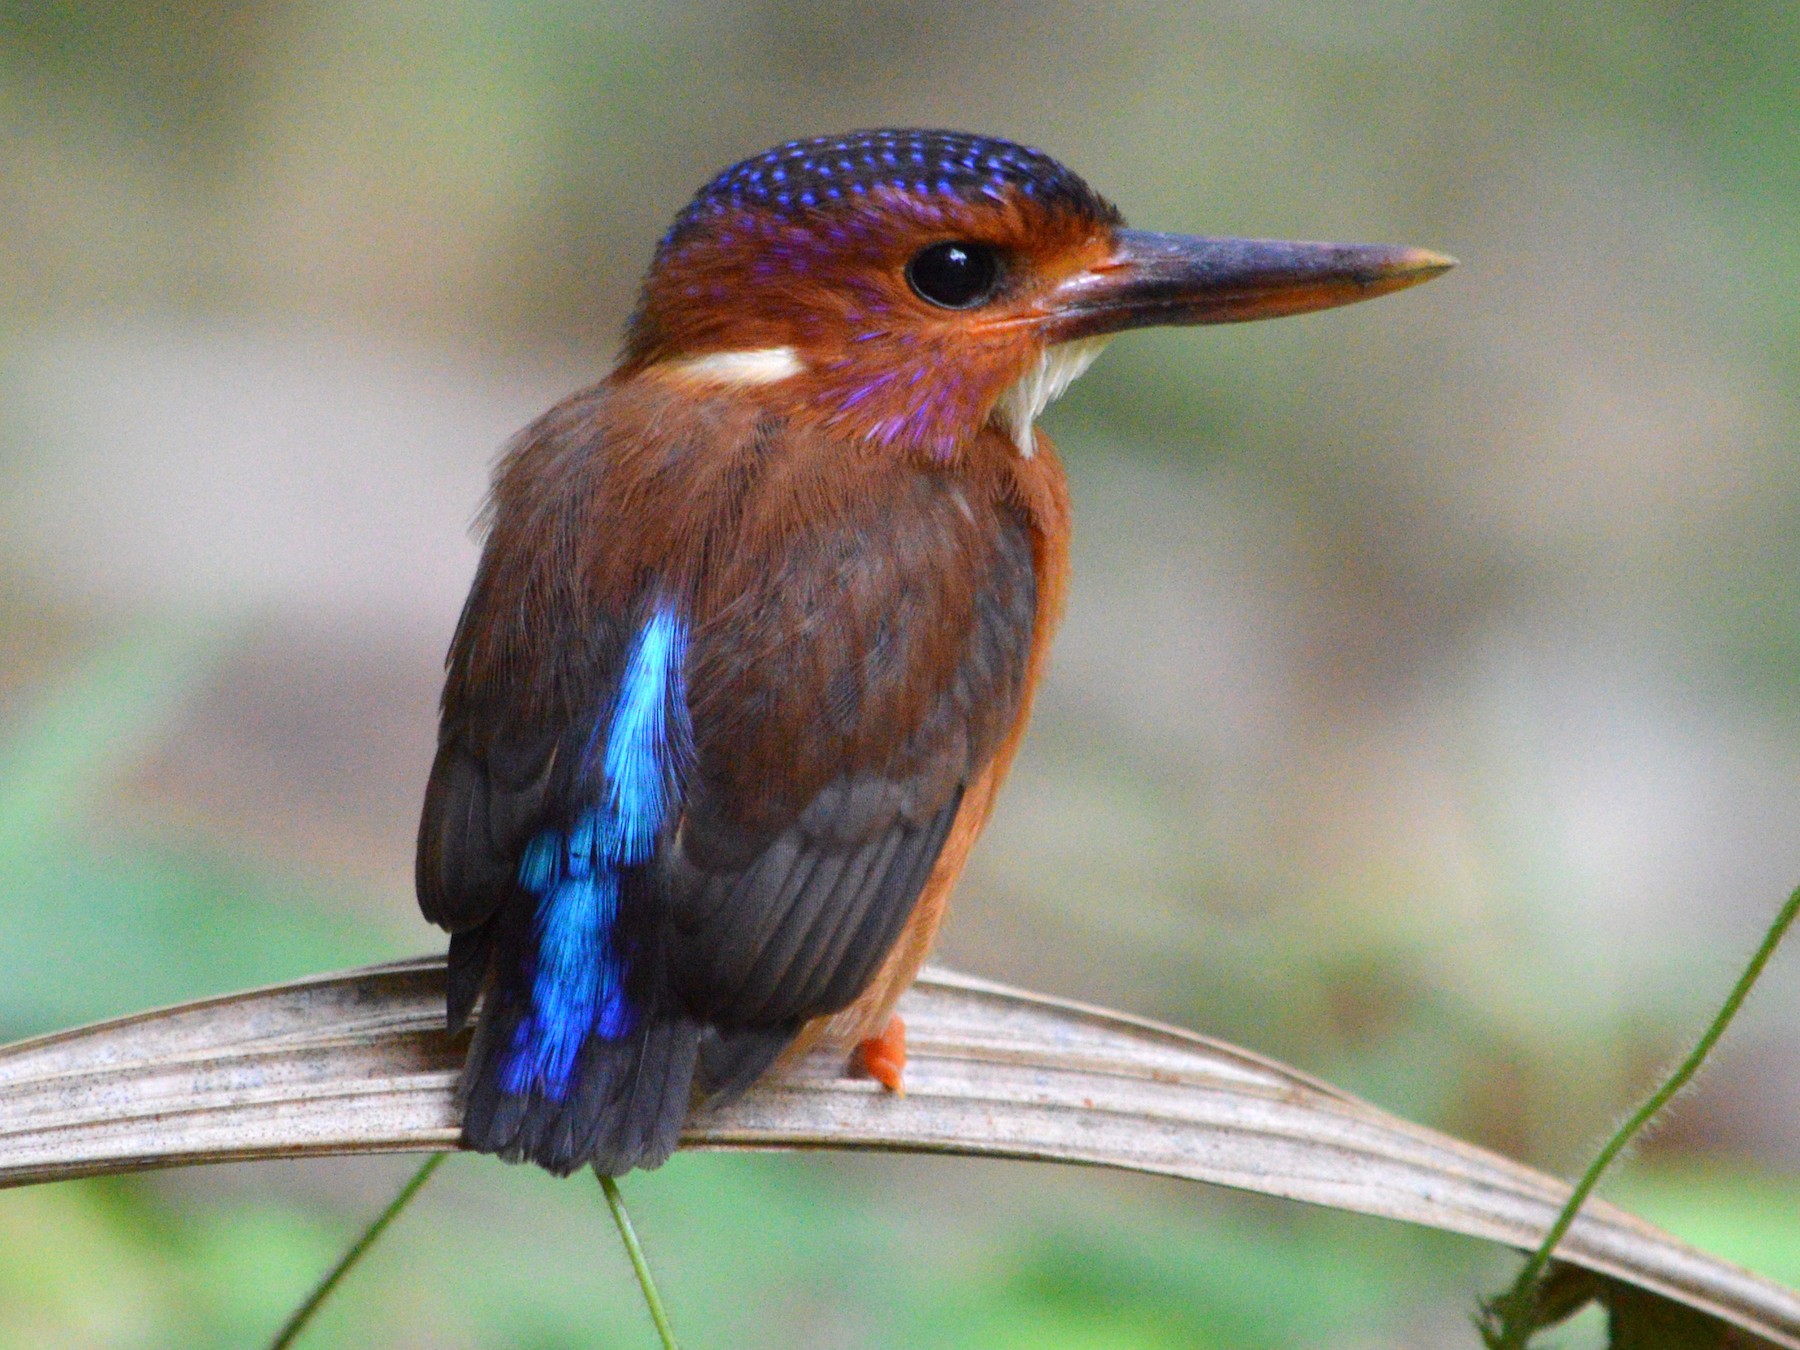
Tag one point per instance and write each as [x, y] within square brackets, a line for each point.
[1177, 279]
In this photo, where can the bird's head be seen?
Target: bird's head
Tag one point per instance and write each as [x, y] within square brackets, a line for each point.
[910, 287]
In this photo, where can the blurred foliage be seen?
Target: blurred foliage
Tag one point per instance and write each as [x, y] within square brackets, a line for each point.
[1428, 712]
[135, 922]
[1635, 1319]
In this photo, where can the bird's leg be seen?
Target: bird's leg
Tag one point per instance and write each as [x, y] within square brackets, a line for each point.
[883, 1057]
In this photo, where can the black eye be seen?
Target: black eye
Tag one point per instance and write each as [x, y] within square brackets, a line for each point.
[956, 275]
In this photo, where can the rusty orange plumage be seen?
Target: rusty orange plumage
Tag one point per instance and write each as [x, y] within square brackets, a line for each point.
[759, 617]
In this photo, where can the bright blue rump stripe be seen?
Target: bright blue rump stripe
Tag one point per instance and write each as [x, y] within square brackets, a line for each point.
[578, 987]
[646, 747]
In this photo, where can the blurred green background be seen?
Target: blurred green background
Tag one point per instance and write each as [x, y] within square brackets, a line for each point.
[1427, 714]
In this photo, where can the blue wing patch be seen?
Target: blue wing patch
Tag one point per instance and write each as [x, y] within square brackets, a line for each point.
[578, 988]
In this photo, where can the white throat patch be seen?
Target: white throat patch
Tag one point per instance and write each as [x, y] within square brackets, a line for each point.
[765, 365]
[1054, 371]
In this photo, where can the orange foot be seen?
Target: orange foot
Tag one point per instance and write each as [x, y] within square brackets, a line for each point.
[883, 1057]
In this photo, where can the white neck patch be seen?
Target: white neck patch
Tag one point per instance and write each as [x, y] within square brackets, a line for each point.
[765, 365]
[1054, 371]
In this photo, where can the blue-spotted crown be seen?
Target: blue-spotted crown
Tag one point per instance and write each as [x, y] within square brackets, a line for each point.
[800, 177]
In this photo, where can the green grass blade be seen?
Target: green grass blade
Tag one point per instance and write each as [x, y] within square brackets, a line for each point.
[1509, 1319]
[296, 1324]
[616, 1203]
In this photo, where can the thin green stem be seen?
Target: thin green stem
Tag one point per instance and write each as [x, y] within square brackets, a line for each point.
[616, 1203]
[1516, 1305]
[370, 1235]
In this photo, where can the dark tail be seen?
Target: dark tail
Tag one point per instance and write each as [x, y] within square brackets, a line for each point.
[731, 1061]
[620, 1106]
[625, 1097]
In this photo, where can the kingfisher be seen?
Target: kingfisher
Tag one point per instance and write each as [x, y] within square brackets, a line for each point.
[758, 620]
